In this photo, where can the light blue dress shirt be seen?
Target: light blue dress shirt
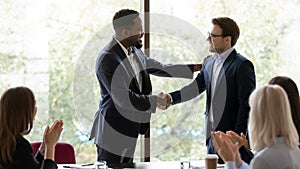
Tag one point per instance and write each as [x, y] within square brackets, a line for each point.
[278, 156]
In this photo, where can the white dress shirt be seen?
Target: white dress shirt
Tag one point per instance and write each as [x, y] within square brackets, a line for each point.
[133, 62]
[218, 64]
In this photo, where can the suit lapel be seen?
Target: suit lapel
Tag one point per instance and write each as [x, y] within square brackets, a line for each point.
[222, 74]
[146, 83]
[229, 60]
[209, 68]
[125, 62]
[220, 92]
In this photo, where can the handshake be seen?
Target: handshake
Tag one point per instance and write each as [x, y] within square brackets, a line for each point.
[163, 101]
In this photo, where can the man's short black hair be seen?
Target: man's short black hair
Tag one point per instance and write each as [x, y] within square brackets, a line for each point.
[124, 18]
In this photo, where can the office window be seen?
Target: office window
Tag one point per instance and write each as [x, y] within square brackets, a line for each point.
[44, 46]
[51, 47]
[268, 38]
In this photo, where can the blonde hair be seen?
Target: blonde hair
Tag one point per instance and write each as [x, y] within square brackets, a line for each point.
[270, 117]
[17, 111]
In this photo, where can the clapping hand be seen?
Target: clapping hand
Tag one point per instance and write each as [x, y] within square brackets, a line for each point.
[228, 150]
[163, 101]
[50, 138]
[241, 139]
[52, 134]
[223, 146]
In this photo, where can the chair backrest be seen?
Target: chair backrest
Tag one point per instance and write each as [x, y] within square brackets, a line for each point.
[64, 152]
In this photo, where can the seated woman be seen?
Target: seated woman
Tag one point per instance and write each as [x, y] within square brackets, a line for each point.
[292, 92]
[271, 130]
[17, 112]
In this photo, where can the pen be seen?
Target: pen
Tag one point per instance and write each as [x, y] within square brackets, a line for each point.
[88, 164]
[78, 166]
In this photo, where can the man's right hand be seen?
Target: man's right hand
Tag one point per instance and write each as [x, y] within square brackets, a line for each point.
[163, 101]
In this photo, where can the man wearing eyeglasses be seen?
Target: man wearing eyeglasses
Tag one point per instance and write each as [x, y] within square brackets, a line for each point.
[228, 79]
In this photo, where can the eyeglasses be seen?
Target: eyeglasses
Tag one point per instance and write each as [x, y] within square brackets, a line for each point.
[213, 36]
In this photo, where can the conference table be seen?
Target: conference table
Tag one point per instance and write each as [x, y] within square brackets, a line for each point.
[144, 165]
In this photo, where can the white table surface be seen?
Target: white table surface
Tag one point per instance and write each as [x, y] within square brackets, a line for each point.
[149, 165]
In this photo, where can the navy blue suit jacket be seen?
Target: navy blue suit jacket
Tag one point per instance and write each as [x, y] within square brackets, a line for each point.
[125, 110]
[234, 85]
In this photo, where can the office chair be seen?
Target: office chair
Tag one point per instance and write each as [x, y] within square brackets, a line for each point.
[64, 152]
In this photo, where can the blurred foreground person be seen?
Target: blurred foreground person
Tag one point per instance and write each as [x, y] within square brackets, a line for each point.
[17, 112]
[292, 92]
[272, 133]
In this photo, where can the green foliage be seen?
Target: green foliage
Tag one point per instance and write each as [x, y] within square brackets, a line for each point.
[77, 30]
[178, 131]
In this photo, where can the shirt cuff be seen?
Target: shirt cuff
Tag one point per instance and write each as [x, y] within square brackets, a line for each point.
[244, 166]
[230, 165]
[39, 157]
